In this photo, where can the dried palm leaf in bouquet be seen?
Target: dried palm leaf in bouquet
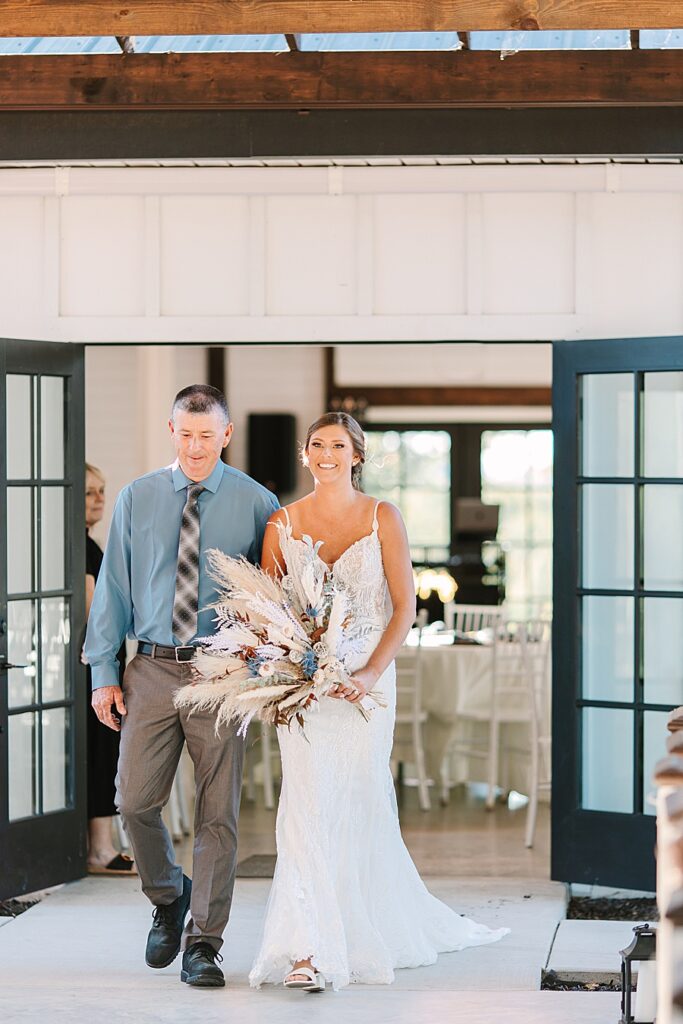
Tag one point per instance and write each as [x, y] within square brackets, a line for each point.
[280, 645]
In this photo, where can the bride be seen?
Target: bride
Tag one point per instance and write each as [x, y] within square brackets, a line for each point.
[347, 903]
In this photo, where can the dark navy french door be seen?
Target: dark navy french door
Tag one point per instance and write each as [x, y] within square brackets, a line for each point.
[618, 599]
[42, 613]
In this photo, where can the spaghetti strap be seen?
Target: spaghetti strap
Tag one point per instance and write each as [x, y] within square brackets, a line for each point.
[375, 521]
[289, 525]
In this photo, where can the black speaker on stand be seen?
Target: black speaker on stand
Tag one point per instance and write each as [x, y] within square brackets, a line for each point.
[272, 451]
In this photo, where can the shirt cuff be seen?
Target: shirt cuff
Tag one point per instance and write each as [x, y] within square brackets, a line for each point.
[106, 674]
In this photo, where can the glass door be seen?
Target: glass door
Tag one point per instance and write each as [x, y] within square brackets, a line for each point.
[618, 599]
[42, 615]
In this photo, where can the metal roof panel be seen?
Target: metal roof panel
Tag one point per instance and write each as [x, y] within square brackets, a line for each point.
[331, 41]
[585, 40]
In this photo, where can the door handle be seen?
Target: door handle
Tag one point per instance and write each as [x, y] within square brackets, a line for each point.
[8, 665]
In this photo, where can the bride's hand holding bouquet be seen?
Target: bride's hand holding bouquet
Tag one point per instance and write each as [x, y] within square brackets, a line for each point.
[359, 686]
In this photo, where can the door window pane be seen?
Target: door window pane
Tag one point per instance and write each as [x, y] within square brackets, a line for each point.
[542, 514]
[607, 536]
[55, 759]
[21, 732]
[663, 650]
[607, 775]
[540, 563]
[426, 458]
[413, 468]
[654, 748]
[427, 517]
[607, 645]
[663, 424]
[21, 650]
[607, 424]
[52, 538]
[19, 520]
[55, 647]
[52, 428]
[516, 475]
[18, 426]
[662, 537]
[382, 467]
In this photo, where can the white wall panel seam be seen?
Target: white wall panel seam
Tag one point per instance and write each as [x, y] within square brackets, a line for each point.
[474, 255]
[256, 256]
[152, 257]
[51, 289]
[365, 256]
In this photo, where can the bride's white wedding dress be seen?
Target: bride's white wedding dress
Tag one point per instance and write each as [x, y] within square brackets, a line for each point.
[345, 891]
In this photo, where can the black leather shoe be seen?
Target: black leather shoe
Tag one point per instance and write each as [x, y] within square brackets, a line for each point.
[200, 967]
[163, 941]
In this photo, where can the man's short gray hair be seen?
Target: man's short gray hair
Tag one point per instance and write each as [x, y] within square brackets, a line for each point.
[201, 398]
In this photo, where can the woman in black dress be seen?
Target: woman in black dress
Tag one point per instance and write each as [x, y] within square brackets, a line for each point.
[103, 743]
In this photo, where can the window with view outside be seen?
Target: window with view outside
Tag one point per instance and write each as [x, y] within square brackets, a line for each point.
[517, 474]
[412, 468]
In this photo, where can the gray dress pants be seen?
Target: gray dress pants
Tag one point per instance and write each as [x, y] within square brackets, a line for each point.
[152, 737]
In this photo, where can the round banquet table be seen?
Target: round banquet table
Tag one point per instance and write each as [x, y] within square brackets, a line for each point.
[457, 679]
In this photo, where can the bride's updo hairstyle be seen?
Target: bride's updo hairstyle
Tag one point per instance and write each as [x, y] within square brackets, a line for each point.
[352, 428]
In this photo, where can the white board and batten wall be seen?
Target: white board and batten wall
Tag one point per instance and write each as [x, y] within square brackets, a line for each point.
[334, 254]
[249, 256]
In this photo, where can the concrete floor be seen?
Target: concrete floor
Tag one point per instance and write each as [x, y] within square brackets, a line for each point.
[78, 956]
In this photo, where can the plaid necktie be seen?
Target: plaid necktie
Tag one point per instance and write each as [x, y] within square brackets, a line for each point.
[186, 599]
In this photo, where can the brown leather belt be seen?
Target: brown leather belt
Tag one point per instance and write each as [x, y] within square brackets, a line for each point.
[179, 654]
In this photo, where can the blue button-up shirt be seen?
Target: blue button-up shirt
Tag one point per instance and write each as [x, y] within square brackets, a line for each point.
[136, 584]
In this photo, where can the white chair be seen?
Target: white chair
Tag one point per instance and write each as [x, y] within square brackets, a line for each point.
[537, 657]
[121, 833]
[467, 619]
[177, 812]
[410, 716]
[473, 618]
[521, 654]
[519, 695]
[267, 753]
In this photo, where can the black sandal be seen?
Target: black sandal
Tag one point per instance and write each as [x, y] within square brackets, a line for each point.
[119, 865]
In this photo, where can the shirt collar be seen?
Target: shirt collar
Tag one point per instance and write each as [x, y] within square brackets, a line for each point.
[211, 483]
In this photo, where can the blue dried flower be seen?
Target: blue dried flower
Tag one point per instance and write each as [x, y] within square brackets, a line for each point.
[253, 664]
[309, 663]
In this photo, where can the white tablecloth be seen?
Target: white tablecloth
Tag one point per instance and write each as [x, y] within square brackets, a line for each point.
[456, 679]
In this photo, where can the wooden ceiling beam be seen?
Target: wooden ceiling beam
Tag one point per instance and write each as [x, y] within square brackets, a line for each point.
[158, 17]
[303, 81]
[127, 43]
[425, 395]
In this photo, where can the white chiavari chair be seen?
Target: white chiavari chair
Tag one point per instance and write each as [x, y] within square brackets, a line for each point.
[265, 734]
[473, 618]
[519, 696]
[410, 716]
[478, 621]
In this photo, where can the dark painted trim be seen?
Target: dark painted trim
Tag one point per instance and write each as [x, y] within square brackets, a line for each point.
[215, 376]
[577, 131]
[215, 367]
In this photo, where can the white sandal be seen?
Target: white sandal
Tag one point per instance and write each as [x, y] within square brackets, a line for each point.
[315, 983]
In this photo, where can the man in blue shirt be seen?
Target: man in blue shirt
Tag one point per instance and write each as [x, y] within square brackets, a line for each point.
[153, 587]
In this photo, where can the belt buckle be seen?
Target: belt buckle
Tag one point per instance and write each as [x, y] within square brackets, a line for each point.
[183, 661]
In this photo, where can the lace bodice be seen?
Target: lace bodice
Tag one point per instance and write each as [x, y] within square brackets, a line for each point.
[359, 569]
